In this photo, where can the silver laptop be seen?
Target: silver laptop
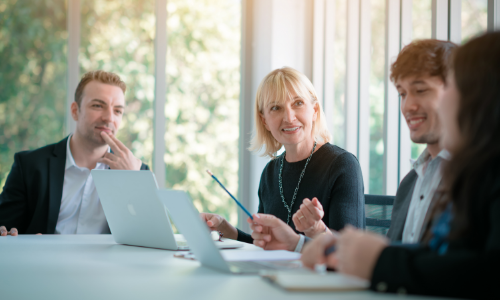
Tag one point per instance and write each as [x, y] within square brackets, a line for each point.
[134, 213]
[187, 220]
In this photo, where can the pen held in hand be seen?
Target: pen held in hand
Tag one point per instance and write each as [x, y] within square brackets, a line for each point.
[237, 202]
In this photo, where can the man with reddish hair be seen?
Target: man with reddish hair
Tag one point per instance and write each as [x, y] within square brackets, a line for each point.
[419, 74]
[50, 190]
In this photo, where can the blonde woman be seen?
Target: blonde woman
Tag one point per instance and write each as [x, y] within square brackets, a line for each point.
[289, 115]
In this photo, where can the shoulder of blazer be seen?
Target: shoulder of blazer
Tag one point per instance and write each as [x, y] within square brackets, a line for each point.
[408, 181]
[57, 149]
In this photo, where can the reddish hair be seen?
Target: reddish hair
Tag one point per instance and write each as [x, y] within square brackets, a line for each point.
[423, 58]
[101, 76]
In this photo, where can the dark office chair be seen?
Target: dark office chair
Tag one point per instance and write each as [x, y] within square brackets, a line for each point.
[378, 210]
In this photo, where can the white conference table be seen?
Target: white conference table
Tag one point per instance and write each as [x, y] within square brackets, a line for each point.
[95, 267]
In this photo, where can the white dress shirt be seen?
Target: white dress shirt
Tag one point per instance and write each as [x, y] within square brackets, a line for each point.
[81, 211]
[429, 177]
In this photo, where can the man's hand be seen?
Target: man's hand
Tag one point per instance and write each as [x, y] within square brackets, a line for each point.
[314, 251]
[270, 233]
[121, 158]
[308, 218]
[4, 232]
[218, 223]
[357, 252]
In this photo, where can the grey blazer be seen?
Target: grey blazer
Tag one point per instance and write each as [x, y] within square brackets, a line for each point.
[401, 206]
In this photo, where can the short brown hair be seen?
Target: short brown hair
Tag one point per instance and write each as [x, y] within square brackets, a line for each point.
[101, 76]
[423, 58]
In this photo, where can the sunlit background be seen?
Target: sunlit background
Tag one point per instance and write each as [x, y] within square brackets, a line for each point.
[202, 109]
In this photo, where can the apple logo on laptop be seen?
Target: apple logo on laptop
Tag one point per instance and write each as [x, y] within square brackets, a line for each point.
[131, 209]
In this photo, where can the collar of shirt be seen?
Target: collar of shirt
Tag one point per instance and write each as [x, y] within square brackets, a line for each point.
[425, 158]
[70, 161]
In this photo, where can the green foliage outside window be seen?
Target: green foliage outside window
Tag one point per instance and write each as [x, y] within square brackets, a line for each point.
[202, 105]
[33, 68]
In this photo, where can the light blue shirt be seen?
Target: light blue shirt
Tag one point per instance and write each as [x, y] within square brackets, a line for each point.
[81, 210]
[429, 178]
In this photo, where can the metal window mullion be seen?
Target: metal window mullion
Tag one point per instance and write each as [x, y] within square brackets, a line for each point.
[74, 14]
[404, 131]
[364, 91]
[329, 80]
[352, 77]
[391, 101]
[455, 22]
[160, 92]
[493, 15]
[440, 19]
[318, 47]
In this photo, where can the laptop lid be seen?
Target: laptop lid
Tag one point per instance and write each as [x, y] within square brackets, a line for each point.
[196, 232]
[133, 211]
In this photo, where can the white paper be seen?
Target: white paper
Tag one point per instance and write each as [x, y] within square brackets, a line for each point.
[242, 255]
[310, 281]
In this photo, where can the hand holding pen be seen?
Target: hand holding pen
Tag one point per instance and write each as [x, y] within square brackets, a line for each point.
[218, 223]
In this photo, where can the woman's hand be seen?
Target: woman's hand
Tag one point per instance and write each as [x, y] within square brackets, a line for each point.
[357, 252]
[218, 223]
[308, 218]
[270, 233]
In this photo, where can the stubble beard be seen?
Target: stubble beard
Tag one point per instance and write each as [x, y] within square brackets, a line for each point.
[427, 138]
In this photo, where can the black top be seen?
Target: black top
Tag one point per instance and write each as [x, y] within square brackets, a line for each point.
[333, 175]
[31, 197]
[469, 269]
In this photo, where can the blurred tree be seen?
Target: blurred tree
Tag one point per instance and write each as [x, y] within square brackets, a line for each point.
[118, 36]
[202, 110]
[202, 107]
[33, 39]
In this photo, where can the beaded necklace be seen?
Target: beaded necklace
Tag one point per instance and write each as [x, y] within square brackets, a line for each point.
[289, 208]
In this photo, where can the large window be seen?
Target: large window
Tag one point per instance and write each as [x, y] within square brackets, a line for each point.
[202, 109]
[33, 41]
[203, 78]
[118, 36]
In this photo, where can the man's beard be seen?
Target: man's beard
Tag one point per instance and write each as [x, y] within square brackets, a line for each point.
[428, 138]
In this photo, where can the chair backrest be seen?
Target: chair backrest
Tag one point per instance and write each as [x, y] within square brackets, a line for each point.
[378, 212]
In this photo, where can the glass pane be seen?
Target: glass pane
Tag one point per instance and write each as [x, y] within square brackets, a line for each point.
[377, 97]
[422, 19]
[118, 36]
[340, 44]
[422, 29]
[202, 109]
[474, 18]
[33, 39]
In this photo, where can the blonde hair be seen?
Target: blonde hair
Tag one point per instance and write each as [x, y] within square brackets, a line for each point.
[274, 89]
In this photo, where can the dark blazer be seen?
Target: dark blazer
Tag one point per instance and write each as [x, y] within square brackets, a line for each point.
[401, 205]
[469, 269]
[32, 194]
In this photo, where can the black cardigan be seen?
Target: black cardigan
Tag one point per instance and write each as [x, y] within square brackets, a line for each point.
[333, 175]
[469, 269]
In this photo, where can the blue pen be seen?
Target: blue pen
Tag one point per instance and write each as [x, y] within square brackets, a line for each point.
[237, 202]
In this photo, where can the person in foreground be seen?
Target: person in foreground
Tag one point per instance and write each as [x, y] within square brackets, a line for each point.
[288, 113]
[460, 253]
[419, 74]
[50, 190]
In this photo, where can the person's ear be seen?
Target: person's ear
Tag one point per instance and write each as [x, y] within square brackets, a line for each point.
[316, 111]
[75, 109]
[263, 119]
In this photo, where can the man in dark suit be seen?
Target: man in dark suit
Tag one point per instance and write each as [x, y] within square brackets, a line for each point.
[419, 74]
[50, 190]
